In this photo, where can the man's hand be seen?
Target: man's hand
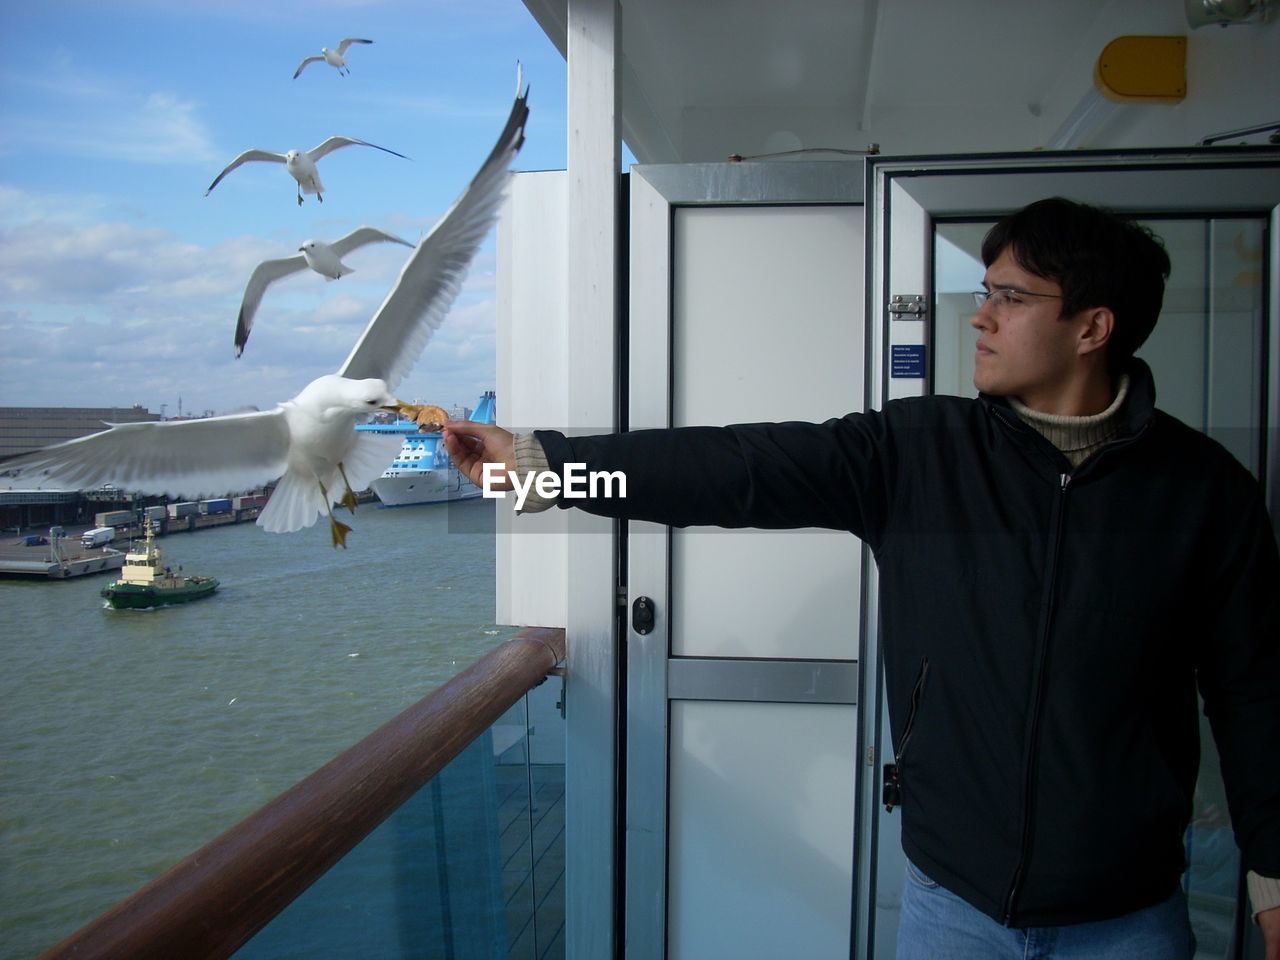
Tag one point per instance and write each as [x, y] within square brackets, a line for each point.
[1269, 921]
[472, 445]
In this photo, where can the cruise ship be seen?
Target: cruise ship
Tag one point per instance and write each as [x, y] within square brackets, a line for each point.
[422, 472]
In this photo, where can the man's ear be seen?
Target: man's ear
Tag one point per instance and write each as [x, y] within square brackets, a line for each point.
[1095, 330]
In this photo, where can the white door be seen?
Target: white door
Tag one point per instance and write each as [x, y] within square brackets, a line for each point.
[746, 303]
[1212, 357]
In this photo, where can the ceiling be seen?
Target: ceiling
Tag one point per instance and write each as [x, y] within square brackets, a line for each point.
[704, 79]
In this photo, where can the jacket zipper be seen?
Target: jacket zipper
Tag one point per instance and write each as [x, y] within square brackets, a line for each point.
[1033, 728]
[891, 793]
[1064, 481]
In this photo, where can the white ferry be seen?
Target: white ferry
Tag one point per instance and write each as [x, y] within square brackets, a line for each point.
[422, 471]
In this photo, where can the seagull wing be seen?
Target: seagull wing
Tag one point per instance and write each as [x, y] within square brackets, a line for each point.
[334, 143]
[264, 274]
[342, 47]
[430, 280]
[180, 458]
[246, 157]
[363, 235]
[303, 65]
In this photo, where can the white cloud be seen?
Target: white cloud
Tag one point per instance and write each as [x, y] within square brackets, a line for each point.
[18, 206]
[111, 264]
[79, 113]
[107, 313]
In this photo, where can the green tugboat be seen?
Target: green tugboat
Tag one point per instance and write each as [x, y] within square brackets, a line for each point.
[146, 582]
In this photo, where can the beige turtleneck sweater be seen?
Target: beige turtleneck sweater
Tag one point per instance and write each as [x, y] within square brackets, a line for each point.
[1077, 437]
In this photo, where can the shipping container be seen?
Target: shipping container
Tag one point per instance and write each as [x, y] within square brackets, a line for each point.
[113, 518]
[156, 513]
[221, 505]
[187, 508]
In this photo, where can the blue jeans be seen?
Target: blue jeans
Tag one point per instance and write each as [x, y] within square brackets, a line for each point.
[938, 925]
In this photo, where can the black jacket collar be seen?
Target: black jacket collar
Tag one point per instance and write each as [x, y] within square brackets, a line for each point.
[1139, 405]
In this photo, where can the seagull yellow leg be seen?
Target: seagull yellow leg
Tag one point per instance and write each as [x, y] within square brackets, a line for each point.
[349, 498]
[337, 529]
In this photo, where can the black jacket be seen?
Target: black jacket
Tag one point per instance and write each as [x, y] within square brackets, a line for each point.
[1043, 629]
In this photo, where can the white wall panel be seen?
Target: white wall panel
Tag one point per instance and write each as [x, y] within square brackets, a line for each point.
[762, 851]
[766, 326]
[765, 593]
[532, 389]
[766, 313]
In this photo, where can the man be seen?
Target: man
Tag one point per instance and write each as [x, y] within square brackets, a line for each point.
[1061, 564]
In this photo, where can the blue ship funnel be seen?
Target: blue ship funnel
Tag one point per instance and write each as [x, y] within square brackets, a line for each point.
[487, 409]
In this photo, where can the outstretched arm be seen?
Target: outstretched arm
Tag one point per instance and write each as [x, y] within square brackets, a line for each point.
[773, 476]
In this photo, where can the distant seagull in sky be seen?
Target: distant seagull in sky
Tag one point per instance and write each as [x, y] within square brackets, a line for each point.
[334, 58]
[324, 258]
[301, 164]
[310, 442]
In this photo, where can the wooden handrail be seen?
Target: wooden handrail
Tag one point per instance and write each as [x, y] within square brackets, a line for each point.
[211, 903]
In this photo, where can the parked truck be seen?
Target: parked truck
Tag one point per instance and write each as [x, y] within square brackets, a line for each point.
[97, 537]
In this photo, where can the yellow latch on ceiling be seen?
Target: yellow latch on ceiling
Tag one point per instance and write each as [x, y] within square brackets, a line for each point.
[1138, 69]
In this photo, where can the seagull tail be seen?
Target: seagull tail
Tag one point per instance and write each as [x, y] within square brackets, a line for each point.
[295, 503]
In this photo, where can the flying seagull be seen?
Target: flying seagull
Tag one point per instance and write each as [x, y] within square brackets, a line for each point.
[301, 164]
[334, 58]
[310, 442]
[324, 258]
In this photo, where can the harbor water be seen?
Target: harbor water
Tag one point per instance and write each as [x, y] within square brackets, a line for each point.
[130, 738]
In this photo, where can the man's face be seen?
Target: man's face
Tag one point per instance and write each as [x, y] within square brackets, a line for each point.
[1025, 347]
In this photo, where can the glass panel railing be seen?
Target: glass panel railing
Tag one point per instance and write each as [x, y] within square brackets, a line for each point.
[415, 841]
[471, 866]
[530, 775]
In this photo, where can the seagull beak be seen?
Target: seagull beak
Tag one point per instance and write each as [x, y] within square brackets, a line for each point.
[394, 406]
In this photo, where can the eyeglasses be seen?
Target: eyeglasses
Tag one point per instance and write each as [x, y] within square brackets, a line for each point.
[1005, 298]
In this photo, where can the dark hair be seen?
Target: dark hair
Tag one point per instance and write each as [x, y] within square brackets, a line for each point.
[1099, 260]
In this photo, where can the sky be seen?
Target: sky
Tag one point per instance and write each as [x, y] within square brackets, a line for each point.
[120, 281]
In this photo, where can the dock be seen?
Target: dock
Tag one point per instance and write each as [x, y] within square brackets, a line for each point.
[70, 559]
[20, 558]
